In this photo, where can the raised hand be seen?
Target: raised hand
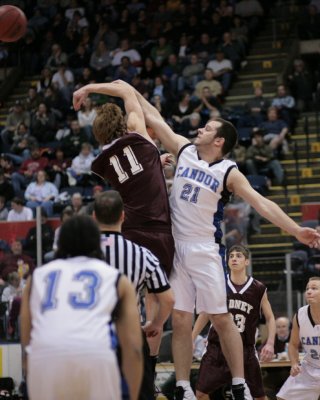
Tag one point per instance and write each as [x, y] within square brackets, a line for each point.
[79, 97]
[309, 237]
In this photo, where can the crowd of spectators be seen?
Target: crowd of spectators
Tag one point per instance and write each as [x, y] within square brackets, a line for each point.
[182, 55]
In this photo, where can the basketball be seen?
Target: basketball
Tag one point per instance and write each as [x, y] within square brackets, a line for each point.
[13, 23]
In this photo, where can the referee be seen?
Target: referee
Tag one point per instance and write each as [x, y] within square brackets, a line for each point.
[141, 267]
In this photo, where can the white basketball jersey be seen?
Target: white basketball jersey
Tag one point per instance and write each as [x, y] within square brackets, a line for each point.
[198, 196]
[71, 304]
[309, 334]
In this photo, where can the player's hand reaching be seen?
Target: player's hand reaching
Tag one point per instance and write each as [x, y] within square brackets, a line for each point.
[309, 236]
[166, 160]
[295, 370]
[151, 330]
[79, 97]
[267, 353]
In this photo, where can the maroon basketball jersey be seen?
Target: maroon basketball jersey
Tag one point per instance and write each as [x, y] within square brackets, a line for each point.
[244, 303]
[132, 166]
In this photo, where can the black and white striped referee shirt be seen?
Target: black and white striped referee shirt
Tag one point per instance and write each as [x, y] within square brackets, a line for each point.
[136, 262]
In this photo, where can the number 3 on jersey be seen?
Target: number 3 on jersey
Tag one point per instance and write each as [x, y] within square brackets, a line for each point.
[86, 298]
[135, 166]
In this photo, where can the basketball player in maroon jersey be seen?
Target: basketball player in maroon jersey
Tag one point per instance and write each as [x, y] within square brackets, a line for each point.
[247, 297]
[130, 162]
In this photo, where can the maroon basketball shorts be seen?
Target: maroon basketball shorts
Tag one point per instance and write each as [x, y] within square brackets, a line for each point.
[161, 244]
[214, 371]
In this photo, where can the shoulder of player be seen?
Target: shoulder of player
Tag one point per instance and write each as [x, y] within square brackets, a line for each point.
[259, 286]
[258, 283]
[187, 147]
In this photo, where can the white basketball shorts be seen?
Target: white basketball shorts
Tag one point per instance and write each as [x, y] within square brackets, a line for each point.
[198, 278]
[304, 386]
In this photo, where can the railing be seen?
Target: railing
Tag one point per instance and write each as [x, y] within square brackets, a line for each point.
[307, 134]
[296, 164]
[317, 120]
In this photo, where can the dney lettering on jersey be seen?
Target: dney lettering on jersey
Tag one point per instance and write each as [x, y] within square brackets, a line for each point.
[198, 176]
[310, 340]
[240, 305]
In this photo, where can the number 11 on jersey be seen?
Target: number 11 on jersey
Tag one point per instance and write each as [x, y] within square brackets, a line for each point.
[135, 166]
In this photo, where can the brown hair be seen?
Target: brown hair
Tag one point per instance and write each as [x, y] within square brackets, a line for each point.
[241, 249]
[229, 133]
[314, 278]
[109, 123]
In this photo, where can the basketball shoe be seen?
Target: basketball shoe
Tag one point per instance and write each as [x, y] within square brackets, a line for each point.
[238, 392]
[182, 394]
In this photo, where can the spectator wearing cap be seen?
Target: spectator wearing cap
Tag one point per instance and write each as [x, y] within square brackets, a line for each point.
[19, 212]
[222, 69]
[16, 116]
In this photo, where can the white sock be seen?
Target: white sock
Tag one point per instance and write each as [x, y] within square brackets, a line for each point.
[237, 381]
[184, 384]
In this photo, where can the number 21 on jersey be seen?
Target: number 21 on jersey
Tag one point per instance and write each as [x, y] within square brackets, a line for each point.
[190, 193]
[135, 166]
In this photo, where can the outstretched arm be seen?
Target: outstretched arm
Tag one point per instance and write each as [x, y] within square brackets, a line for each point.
[170, 140]
[135, 117]
[239, 185]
